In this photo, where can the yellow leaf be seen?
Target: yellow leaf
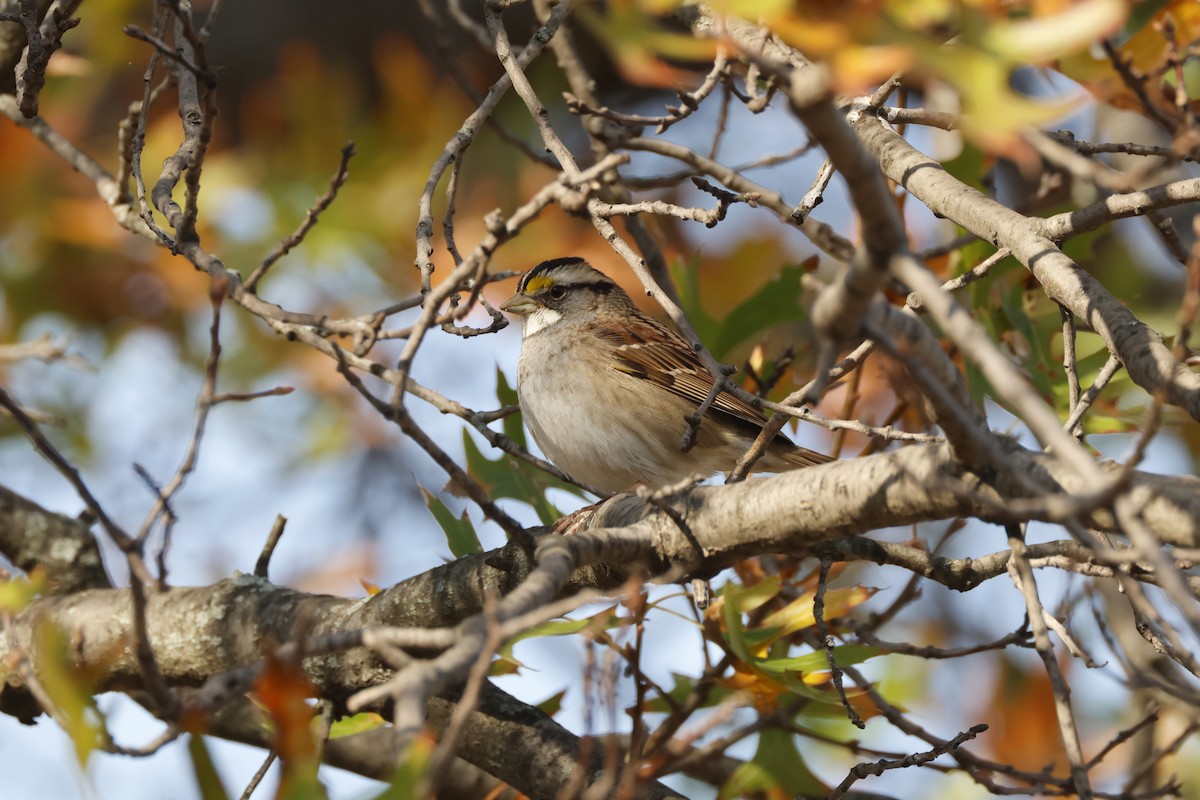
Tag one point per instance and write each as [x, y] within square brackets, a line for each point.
[1146, 52]
[856, 68]
[635, 41]
[70, 691]
[359, 723]
[993, 113]
[764, 690]
[798, 614]
[17, 593]
[1038, 40]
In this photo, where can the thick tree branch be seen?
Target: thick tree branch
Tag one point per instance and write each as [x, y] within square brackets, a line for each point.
[203, 631]
[1141, 349]
[63, 548]
[198, 633]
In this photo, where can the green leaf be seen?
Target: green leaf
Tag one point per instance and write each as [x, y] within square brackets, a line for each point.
[983, 298]
[992, 110]
[1040, 39]
[738, 599]
[1031, 326]
[551, 705]
[409, 772]
[745, 644]
[777, 765]
[602, 620]
[757, 638]
[683, 689]
[687, 279]
[754, 597]
[507, 396]
[501, 667]
[460, 533]
[1034, 321]
[1105, 416]
[301, 785]
[17, 593]
[799, 613]
[359, 723]
[207, 779]
[776, 302]
[515, 479]
[636, 42]
[1139, 17]
[846, 656]
[70, 691]
[969, 167]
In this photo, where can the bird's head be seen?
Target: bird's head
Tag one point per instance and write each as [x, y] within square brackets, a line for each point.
[562, 287]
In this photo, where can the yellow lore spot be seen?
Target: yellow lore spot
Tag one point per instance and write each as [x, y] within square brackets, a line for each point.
[538, 284]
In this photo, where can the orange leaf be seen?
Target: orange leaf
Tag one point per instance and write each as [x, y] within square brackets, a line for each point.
[1024, 728]
[283, 691]
[763, 690]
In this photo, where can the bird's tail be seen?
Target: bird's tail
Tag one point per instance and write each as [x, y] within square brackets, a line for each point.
[793, 457]
[803, 457]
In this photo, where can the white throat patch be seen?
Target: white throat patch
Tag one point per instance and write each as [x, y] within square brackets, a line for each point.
[540, 320]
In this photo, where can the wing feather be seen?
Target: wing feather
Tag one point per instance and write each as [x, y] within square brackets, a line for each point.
[651, 351]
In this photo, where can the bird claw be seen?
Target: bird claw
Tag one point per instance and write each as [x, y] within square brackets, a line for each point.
[574, 522]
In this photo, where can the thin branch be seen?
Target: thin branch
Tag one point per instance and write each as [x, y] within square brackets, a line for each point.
[816, 193]
[45, 349]
[860, 771]
[162, 47]
[263, 564]
[827, 642]
[980, 270]
[310, 219]
[442, 756]
[1071, 366]
[218, 290]
[688, 102]
[463, 138]
[259, 774]
[41, 41]
[1022, 576]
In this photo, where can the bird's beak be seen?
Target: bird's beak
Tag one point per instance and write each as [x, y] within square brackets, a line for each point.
[519, 304]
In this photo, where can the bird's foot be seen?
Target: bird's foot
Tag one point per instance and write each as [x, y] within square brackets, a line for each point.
[575, 521]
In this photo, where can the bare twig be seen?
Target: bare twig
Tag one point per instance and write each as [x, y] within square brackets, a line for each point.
[440, 760]
[1070, 365]
[310, 219]
[44, 348]
[827, 642]
[1022, 576]
[688, 102]
[218, 291]
[41, 40]
[259, 774]
[816, 194]
[1087, 398]
[462, 140]
[980, 270]
[262, 566]
[915, 760]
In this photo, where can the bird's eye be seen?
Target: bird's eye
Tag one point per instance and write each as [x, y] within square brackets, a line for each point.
[558, 292]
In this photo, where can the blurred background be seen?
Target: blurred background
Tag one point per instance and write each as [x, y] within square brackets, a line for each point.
[300, 80]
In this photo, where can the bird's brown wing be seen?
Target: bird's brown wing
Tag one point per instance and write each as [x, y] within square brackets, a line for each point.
[649, 350]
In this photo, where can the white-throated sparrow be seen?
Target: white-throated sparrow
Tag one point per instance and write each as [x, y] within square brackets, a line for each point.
[605, 389]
